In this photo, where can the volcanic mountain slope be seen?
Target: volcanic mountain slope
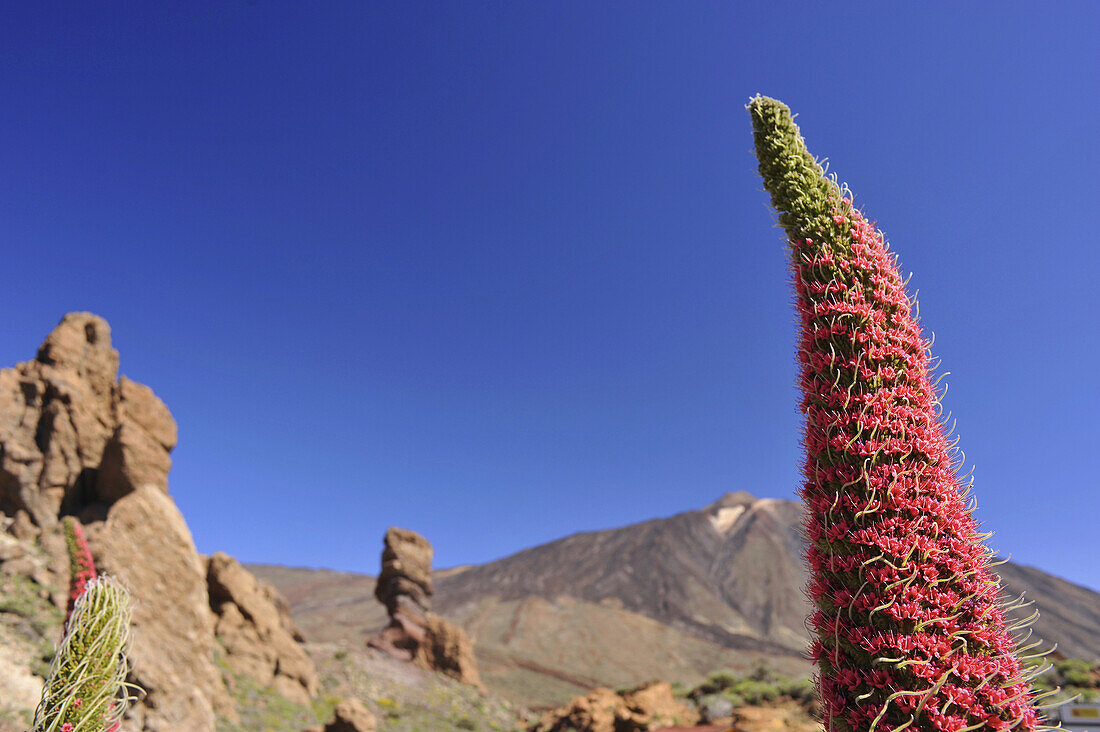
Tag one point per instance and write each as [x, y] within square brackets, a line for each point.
[730, 574]
[673, 598]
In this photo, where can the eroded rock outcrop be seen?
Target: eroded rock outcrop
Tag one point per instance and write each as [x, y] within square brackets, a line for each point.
[146, 543]
[73, 434]
[77, 439]
[405, 588]
[137, 453]
[650, 706]
[350, 716]
[447, 649]
[259, 638]
[415, 633]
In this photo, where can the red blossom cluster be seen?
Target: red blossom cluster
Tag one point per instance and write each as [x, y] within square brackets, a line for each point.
[908, 620]
[81, 565]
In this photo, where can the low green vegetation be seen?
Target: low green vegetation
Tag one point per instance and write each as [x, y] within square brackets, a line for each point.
[761, 686]
[432, 704]
[28, 599]
[1075, 678]
[263, 709]
[39, 619]
[412, 702]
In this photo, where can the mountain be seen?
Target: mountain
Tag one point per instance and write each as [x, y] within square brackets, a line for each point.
[724, 574]
[675, 598]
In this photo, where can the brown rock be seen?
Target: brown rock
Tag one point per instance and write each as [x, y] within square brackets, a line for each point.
[597, 711]
[137, 453]
[782, 717]
[650, 706]
[258, 636]
[71, 432]
[446, 648]
[402, 637]
[80, 368]
[56, 415]
[405, 587]
[22, 527]
[10, 548]
[406, 576]
[282, 607]
[20, 567]
[75, 438]
[351, 716]
[141, 407]
[653, 705]
[146, 544]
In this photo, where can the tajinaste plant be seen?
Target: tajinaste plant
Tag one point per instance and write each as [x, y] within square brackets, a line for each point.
[81, 565]
[86, 689]
[909, 621]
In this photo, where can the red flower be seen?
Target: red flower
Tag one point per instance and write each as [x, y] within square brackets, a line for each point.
[909, 632]
[81, 564]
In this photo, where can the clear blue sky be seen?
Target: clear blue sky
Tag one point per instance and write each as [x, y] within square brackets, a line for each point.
[501, 272]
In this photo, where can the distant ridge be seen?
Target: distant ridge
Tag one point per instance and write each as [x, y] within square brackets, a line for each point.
[675, 597]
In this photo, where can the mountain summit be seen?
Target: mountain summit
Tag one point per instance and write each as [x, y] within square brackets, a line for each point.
[723, 574]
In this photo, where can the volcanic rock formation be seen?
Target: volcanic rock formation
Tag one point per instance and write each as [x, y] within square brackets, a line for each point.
[415, 633]
[259, 638]
[649, 706]
[77, 439]
[146, 543]
[74, 434]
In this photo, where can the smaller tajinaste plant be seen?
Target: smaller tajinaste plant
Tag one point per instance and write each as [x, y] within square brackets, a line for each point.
[86, 690]
[81, 565]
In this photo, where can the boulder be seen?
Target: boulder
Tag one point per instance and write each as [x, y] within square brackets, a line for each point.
[350, 716]
[785, 716]
[714, 707]
[651, 706]
[596, 711]
[447, 649]
[256, 631]
[146, 544]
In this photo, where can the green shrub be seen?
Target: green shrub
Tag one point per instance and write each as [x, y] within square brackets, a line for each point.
[1076, 672]
[801, 690]
[756, 692]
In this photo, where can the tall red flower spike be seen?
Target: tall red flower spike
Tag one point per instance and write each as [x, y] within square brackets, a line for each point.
[81, 565]
[909, 623]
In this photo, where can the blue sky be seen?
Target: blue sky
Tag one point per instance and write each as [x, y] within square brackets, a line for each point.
[501, 272]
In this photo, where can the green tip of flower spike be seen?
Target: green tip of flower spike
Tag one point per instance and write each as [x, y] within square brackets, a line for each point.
[86, 690]
[799, 190]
